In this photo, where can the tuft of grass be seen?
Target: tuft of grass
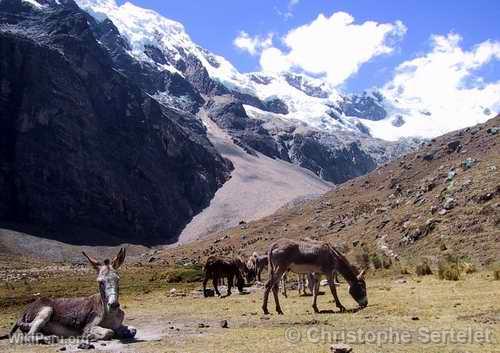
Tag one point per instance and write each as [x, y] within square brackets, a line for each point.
[496, 275]
[423, 269]
[468, 267]
[449, 268]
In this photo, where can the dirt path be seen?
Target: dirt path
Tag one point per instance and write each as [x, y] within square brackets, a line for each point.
[259, 185]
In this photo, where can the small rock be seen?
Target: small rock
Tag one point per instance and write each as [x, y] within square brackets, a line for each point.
[442, 212]
[202, 325]
[451, 175]
[85, 345]
[173, 291]
[429, 156]
[401, 281]
[468, 163]
[493, 130]
[224, 324]
[62, 349]
[340, 348]
[415, 318]
[449, 203]
[454, 146]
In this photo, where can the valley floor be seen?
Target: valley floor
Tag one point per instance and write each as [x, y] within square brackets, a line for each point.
[415, 306]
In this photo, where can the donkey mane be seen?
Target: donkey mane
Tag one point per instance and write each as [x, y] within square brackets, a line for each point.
[349, 271]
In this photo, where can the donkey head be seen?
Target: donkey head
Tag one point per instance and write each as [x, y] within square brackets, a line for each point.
[357, 290]
[108, 279]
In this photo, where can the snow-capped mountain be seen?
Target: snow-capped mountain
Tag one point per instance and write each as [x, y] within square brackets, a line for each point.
[309, 100]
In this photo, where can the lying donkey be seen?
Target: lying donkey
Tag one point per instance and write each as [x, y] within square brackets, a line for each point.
[97, 317]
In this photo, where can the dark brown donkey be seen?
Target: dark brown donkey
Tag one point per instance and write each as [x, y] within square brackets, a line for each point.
[96, 317]
[218, 267]
[312, 256]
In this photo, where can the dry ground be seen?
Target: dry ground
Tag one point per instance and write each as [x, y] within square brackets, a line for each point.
[172, 323]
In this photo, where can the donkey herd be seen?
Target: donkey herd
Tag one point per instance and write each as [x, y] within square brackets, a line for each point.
[99, 317]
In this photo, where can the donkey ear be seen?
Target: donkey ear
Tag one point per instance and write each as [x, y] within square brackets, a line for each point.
[362, 274]
[119, 259]
[95, 264]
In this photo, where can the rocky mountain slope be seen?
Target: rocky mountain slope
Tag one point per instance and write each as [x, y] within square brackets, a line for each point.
[259, 186]
[442, 199]
[84, 145]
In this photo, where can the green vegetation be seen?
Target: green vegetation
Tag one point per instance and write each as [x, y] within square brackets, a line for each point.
[185, 274]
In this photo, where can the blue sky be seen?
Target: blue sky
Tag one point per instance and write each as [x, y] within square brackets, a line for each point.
[215, 24]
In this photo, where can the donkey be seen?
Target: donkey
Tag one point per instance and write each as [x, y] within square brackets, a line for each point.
[217, 268]
[312, 256]
[256, 264]
[97, 317]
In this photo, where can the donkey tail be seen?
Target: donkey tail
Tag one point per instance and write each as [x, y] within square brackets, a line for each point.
[270, 264]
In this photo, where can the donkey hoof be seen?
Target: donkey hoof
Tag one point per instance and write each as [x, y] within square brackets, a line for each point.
[266, 312]
[342, 309]
[279, 311]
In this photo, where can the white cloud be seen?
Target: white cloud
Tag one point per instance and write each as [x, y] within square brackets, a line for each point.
[442, 82]
[334, 46]
[253, 45]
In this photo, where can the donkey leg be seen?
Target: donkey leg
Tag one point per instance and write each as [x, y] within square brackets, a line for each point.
[205, 281]
[268, 287]
[284, 279]
[278, 276]
[40, 320]
[333, 289]
[276, 300]
[215, 281]
[100, 333]
[229, 284]
[315, 291]
[272, 281]
[125, 332]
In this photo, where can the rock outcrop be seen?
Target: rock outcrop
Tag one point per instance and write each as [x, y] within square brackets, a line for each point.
[83, 143]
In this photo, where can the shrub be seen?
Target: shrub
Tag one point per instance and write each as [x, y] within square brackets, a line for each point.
[376, 261]
[363, 259]
[404, 271]
[496, 275]
[423, 269]
[468, 267]
[449, 269]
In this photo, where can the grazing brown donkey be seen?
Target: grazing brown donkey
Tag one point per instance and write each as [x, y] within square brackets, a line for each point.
[96, 317]
[218, 267]
[312, 256]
